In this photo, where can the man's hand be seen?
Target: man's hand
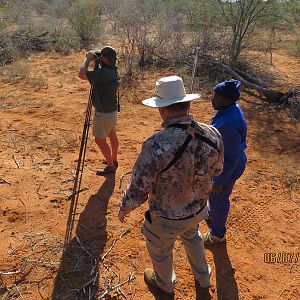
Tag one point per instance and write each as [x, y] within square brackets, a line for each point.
[217, 188]
[122, 216]
[90, 55]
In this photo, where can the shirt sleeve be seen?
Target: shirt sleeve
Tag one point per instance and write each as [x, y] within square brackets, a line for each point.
[100, 76]
[143, 175]
[232, 151]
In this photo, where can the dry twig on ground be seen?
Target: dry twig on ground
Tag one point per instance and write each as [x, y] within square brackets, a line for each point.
[2, 180]
[114, 242]
[4, 96]
[25, 207]
[77, 192]
[109, 289]
[16, 162]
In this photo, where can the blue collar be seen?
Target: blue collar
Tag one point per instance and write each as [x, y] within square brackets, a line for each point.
[227, 109]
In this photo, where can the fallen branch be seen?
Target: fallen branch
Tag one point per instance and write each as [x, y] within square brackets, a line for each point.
[272, 96]
[131, 277]
[249, 78]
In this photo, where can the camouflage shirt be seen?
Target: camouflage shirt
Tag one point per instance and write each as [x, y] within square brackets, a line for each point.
[183, 189]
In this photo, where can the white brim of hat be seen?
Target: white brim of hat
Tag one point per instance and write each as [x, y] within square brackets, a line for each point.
[157, 102]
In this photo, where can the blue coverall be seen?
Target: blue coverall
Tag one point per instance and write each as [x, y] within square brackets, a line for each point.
[232, 125]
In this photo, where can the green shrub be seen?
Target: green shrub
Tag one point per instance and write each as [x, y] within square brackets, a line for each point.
[12, 47]
[63, 39]
[84, 17]
[296, 47]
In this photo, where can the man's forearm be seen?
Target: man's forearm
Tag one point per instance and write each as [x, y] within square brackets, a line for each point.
[83, 69]
[130, 203]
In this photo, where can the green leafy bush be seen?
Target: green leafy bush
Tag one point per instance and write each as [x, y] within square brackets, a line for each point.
[84, 17]
[296, 48]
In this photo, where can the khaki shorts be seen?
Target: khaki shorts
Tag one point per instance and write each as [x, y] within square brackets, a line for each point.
[104, 124]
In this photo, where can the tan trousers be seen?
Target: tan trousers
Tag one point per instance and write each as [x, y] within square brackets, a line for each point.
[161, 235]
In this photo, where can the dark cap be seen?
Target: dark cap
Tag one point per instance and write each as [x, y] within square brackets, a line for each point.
[108, 52]
[229, 89]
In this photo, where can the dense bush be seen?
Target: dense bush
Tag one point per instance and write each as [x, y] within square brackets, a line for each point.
[84, 16]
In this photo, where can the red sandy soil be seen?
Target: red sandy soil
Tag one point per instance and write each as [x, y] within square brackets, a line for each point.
[42, 116]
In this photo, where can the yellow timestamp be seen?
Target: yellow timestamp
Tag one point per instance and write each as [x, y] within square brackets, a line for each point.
[281, 258]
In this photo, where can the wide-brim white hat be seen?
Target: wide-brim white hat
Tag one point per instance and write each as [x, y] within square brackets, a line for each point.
[169, 90]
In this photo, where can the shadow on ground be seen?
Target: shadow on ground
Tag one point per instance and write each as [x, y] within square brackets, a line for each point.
[202, 293]
[227, 288]
[158, 294]
[78, 274]
[273, 129]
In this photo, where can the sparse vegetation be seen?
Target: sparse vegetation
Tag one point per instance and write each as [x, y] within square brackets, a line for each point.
[156, 33]
[15, 73]
[149, 30]
[42, 106]
[295, 49]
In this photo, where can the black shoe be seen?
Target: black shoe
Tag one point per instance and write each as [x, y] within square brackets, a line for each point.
[116, 163]
[106, 171]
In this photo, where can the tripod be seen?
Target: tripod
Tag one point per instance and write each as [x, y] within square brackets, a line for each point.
[79, 172]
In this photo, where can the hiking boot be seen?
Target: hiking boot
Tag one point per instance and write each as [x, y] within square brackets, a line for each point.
[150, 279]
[106, 171]
[116, 163]
[210, 239]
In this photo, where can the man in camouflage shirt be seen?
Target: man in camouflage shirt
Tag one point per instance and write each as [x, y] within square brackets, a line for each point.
[177, 192]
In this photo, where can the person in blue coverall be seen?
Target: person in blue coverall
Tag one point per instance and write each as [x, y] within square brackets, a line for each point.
[231, 123]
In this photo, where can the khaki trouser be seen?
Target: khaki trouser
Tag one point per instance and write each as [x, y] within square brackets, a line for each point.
[104, 124]
[161, 235]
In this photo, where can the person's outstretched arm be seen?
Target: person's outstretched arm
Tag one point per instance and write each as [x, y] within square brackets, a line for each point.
[84, 67]
[143, 174]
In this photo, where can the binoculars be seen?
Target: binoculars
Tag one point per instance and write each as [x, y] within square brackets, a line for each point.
[96, 54]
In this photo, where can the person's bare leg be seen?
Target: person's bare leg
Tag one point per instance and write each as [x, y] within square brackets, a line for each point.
[104, 147]
[114, 145]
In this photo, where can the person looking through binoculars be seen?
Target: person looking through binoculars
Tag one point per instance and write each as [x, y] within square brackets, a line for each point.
[104, 82]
